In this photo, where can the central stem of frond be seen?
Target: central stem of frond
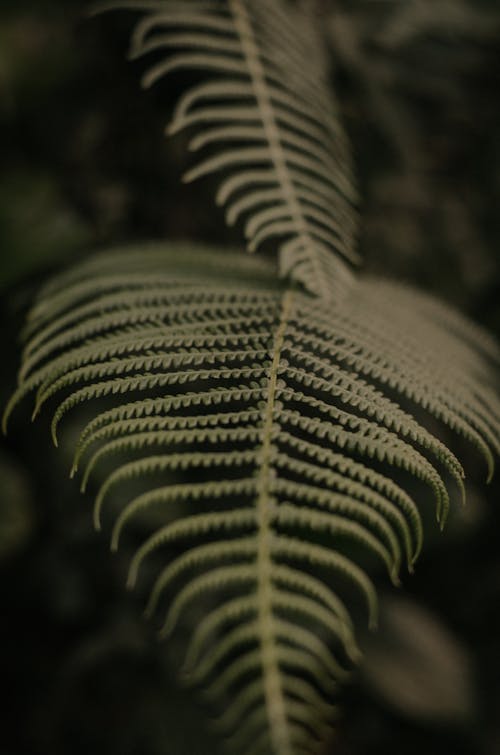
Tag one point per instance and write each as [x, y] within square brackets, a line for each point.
[271, 129]
[275, 700]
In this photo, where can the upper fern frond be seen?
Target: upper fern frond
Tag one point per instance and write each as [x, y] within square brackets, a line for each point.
[268, 445]
[267, 117]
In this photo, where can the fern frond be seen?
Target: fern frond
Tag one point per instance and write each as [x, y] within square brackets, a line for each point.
[271, 450]
[267, 116]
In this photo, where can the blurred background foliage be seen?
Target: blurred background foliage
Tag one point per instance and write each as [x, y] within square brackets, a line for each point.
[85, 165]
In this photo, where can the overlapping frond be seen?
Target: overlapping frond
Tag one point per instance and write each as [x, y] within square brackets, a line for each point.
[266, 447]
[265, 119]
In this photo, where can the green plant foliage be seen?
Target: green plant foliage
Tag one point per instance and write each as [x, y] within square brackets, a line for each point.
[275, 436]
[270, 429]
[269, 121]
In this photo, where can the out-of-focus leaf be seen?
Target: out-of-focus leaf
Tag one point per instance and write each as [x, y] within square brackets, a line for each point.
[16, 508]
[35, 55]
[37, 227]
[417, 667]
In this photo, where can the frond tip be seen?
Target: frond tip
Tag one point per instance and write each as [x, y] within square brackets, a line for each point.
[267, 117]
[266, 447]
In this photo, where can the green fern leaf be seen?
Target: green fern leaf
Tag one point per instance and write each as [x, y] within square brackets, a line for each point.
[270, 449]
[269, 122]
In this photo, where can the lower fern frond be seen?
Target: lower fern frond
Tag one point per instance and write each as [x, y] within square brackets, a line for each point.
[269, 448]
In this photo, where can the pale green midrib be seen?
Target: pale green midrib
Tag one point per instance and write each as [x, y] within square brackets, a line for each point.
[274, 696]
[264, 102]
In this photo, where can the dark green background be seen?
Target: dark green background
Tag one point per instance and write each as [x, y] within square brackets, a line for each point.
[85, 165]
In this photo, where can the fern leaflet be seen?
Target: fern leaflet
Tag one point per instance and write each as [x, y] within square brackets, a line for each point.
[269, 123]
[266, 447]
